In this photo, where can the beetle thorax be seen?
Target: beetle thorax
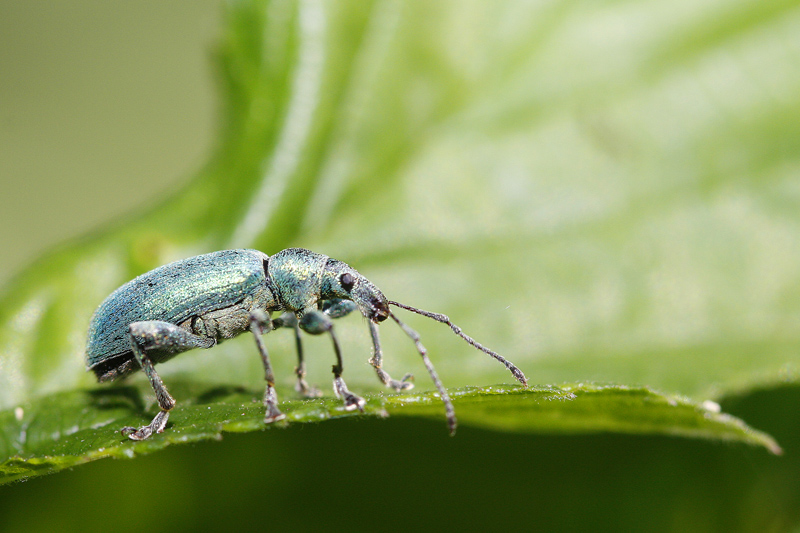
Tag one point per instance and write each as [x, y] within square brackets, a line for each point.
[296, 274]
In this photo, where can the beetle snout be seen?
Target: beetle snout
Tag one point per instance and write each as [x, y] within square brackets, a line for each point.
[380, 310]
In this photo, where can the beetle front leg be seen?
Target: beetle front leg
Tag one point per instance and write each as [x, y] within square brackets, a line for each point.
[316, 323]
[162, 336]
[259, 322]
[337, 308]
[377, 361]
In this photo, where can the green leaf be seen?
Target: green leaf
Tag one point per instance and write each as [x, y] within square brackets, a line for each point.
[601, 192]
[76, 427]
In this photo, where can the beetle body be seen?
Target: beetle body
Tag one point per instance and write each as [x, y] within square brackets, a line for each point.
[192, 294]
[200, 301]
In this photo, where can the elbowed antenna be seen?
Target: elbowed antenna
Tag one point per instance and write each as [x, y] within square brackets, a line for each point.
[450, 412]
[457, 330]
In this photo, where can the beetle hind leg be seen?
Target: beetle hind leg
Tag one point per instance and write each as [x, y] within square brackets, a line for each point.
[167, 338]
[261, 323]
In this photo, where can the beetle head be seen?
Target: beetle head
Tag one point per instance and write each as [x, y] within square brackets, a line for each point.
[340, 280]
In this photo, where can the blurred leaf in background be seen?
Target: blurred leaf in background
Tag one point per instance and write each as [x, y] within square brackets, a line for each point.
[601, 191]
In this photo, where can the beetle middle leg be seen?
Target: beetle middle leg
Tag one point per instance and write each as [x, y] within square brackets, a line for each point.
[316, 323]
[290, 320]
[154, 335]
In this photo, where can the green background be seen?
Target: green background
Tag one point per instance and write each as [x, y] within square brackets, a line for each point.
[619, 178]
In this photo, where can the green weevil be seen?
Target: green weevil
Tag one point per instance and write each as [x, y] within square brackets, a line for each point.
[200, 301]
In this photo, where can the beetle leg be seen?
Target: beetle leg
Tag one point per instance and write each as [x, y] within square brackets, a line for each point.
[316, 323]
[300, 370]
[290, 320]
[337, 307]
[449, 411]
[259, 322]
[169, 338]
[377, 361]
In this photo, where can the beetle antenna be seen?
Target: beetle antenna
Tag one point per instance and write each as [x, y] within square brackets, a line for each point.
[450, 412]
[444, 319]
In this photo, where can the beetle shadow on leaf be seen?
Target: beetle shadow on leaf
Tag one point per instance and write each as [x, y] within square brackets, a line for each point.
[220, 393]
[128, 398]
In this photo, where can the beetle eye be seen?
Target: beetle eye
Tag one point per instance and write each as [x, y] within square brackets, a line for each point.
[347, 280]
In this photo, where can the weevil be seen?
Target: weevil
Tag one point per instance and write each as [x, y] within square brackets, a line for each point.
[203, 300]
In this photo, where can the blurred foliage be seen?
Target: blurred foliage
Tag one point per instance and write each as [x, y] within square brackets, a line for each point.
[601, 191]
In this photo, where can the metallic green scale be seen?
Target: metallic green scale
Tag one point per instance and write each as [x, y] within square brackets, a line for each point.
[173, 293]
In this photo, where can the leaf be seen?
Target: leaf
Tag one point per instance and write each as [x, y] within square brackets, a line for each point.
[76, 427]
[600, 192]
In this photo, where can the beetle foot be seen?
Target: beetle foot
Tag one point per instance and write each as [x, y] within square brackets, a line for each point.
[273, 416]
[351, 401]
[403, 384]
[387, 380]
[307, 391]
[271, 403]
[132, 433]
[156, 426]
